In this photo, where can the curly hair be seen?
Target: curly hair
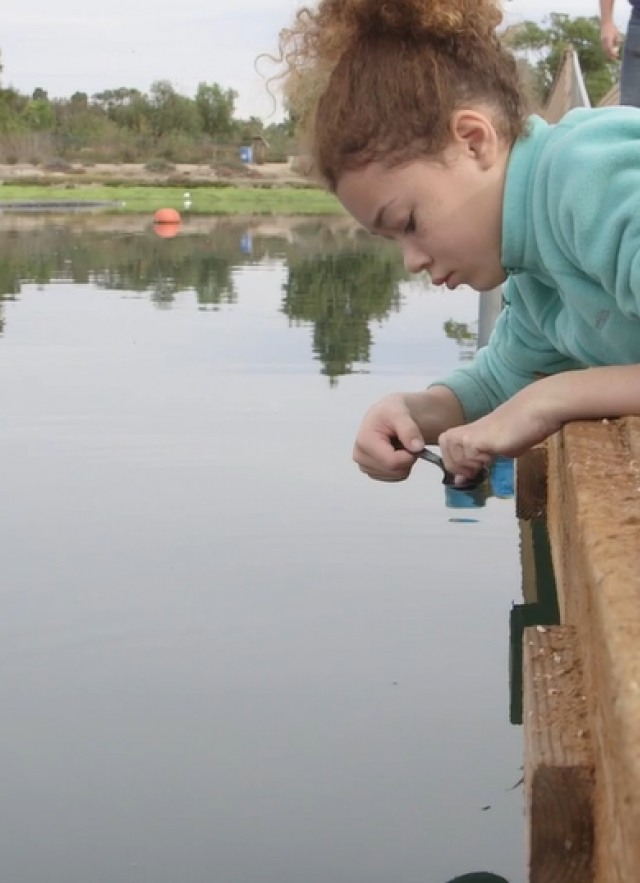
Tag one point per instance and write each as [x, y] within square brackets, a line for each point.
[378, 80]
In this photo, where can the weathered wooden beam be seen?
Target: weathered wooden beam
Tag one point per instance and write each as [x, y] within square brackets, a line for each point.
[531, 484]
[558, 530]
[558, 758]
[594, 525]
[528, 562]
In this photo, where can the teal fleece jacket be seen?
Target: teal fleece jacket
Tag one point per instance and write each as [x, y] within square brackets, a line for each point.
[571, 251]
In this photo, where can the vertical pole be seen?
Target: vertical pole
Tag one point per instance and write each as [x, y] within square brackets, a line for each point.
[489, 308]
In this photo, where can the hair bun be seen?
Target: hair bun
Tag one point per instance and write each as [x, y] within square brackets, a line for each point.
[418, 20]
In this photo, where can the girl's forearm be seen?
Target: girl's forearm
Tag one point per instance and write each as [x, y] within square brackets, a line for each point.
[434, 410]
[590, 394]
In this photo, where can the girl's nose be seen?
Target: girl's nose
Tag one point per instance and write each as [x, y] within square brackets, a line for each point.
[414, 260]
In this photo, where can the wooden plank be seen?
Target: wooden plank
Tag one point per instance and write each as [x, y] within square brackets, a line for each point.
[540, 607]
[557, 528]
[595, 527]
[528, 562]
[538, 577]
[531, 484]
[558, 758]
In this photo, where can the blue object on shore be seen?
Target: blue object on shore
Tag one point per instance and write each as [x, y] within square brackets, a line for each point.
[246, 154]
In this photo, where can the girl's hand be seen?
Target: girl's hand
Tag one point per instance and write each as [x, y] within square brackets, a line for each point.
[413, 418]
[373, 451]
[509, 431]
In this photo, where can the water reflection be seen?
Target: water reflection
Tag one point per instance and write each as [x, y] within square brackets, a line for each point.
[227, 656]
[465, 335]
[339, 282]
[499, 484]
[340, 294]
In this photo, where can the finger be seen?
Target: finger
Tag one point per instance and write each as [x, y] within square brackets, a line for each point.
[381, 459]
[375, 448]
[378, 475]
[461, 456]
[466, 472]
[394, 472]
[408, 433]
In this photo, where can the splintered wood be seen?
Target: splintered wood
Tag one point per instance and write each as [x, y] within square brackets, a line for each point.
[558, 764]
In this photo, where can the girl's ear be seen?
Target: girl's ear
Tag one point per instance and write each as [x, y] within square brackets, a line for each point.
[474, 132]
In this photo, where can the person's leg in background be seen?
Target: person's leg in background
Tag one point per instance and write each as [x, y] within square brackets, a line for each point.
[630, 73]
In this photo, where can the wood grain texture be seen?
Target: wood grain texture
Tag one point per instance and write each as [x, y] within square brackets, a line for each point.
[531, 484]
[594, 524]
[559, 764]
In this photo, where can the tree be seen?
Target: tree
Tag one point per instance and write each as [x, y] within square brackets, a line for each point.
[127, 108]
[171, 111]
[12, 104]
[546, 45]
[80, 120]
[38, 114]
[80, 100]
[216, 107]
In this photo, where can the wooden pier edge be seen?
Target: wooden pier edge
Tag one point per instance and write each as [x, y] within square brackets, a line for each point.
[592, 508]
[558, 758]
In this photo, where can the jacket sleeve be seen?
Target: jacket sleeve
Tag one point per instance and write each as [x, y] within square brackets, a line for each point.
[517, 354]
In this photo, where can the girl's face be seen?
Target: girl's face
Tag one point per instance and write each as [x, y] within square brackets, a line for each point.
[445, 213]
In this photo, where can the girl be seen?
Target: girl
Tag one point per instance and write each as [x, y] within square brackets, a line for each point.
[417, 123]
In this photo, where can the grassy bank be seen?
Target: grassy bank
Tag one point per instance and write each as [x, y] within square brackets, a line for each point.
[204, 200]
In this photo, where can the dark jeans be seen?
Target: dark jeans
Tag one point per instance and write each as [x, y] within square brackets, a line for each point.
[630, 74]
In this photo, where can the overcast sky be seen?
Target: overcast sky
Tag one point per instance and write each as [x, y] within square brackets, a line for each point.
[89, 45]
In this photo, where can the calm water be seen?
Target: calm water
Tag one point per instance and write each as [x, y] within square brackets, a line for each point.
[226, 656]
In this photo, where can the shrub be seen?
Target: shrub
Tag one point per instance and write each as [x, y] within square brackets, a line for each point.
[159, 166]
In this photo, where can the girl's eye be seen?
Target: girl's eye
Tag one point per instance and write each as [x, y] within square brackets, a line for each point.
[411, 224]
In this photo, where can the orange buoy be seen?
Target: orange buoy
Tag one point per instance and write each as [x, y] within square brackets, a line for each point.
[166, 216]
[166, 230]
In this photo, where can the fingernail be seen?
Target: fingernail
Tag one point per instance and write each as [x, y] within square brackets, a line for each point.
[415, 445]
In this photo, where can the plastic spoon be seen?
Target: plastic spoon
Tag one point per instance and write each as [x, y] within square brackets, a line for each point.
[449, 479]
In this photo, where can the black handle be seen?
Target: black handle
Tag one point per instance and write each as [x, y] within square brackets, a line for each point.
[449, 479]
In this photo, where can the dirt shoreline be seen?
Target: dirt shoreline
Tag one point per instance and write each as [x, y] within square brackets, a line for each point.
[271, 174]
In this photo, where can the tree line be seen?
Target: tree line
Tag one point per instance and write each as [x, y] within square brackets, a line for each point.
[130, 125]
